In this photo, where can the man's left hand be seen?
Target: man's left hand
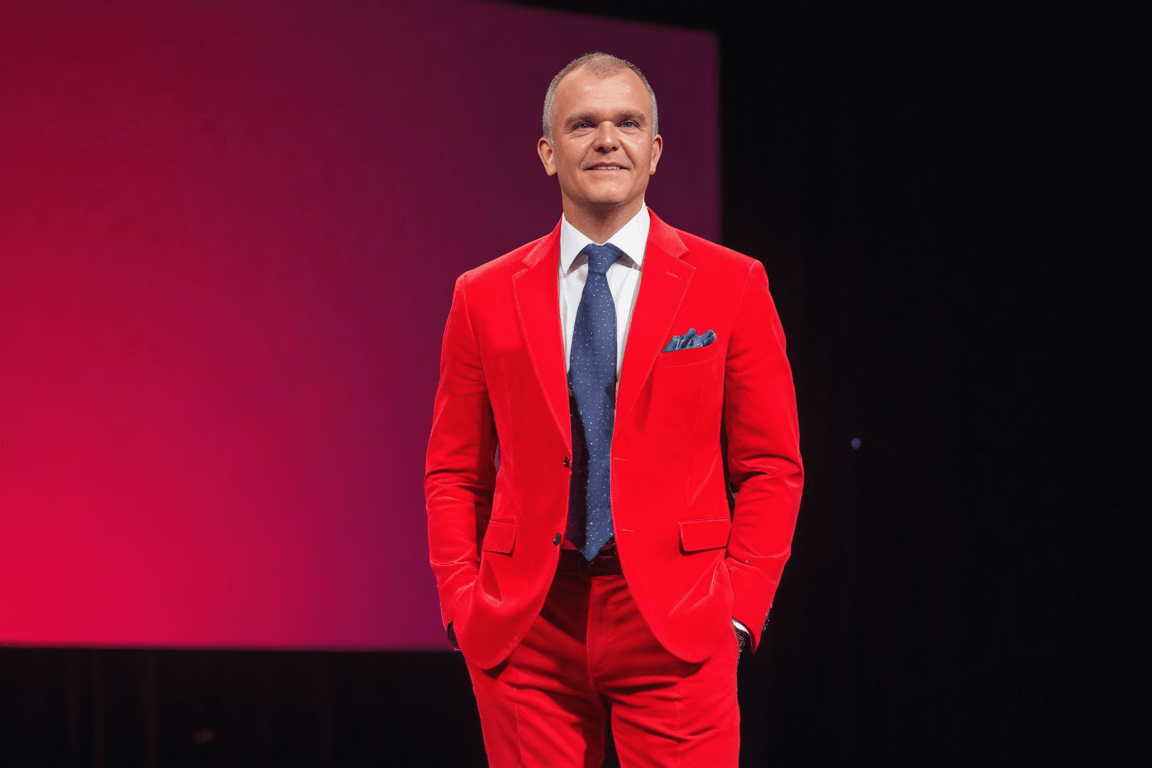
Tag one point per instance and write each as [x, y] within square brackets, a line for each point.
[742, 639]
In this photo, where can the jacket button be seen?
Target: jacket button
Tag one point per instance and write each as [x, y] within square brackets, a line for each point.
[556, 539]
[567, 463]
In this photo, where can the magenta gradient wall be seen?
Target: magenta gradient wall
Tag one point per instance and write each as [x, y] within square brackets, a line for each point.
[230, 233]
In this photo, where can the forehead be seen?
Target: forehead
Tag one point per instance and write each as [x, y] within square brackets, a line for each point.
[582, 90]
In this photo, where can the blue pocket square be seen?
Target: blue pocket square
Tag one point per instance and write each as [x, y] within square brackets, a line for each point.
[690, 340]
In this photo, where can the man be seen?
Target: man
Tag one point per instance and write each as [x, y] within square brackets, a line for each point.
[602, 391]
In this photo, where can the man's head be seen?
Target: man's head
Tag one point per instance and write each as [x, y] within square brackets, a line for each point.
[600, 136]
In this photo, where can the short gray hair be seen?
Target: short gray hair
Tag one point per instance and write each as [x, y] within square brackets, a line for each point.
[602, 65]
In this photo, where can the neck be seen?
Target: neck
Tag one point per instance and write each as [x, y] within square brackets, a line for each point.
[599, 224]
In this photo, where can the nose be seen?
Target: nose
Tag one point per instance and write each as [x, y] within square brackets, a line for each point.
[606, 138]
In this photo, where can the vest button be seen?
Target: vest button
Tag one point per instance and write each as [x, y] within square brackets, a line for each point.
[567, 462]
[556, 539]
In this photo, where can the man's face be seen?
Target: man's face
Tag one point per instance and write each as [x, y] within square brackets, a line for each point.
[602, 147]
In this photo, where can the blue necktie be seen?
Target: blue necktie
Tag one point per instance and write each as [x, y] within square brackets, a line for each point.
[592, 377]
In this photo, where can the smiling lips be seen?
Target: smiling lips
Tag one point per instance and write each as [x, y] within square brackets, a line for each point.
[607, 167]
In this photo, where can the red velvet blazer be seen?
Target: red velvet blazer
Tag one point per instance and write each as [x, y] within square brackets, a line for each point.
[693, 562]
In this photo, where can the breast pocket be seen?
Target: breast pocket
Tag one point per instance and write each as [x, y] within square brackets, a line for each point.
[682, 357]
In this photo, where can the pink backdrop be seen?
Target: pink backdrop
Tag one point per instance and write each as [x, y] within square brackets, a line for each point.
[229, 237]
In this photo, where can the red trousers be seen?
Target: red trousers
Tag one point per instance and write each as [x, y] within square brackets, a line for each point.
[590, 657]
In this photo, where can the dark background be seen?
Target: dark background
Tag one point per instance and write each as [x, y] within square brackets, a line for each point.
[945, 197]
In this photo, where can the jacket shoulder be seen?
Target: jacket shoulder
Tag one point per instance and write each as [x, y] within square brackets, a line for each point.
[501, 267]
[710, 255]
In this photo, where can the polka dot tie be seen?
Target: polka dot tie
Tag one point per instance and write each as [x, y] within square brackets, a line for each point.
[592, 377]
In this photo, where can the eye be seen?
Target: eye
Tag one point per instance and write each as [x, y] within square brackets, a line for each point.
[582, 125]
[629, 124]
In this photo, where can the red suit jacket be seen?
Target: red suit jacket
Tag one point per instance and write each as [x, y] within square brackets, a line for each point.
[692, 560]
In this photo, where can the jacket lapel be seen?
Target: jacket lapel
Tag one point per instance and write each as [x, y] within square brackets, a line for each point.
[664, 280]
[535, 289]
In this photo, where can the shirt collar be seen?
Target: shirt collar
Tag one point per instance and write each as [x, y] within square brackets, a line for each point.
[631, 238]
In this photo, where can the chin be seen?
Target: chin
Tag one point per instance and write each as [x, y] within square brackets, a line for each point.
[603, 199]
[608, 198]
[613, 190]
[606, 204]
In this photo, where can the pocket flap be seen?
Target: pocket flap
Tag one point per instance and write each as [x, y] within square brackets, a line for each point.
[689, 356]
[697, 535]
[500, 537]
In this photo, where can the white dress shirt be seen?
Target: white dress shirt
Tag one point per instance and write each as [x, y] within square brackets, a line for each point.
[623, 277]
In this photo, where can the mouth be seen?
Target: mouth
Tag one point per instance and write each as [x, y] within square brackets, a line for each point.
[607, 167]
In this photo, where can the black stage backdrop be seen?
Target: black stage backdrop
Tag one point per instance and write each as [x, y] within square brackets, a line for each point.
[945, 197]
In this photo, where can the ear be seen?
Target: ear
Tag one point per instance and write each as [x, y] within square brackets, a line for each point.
[547, 155]
[657, 148]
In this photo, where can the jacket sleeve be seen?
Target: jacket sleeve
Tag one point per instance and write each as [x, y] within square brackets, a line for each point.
[460, 472]
[763, 453]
